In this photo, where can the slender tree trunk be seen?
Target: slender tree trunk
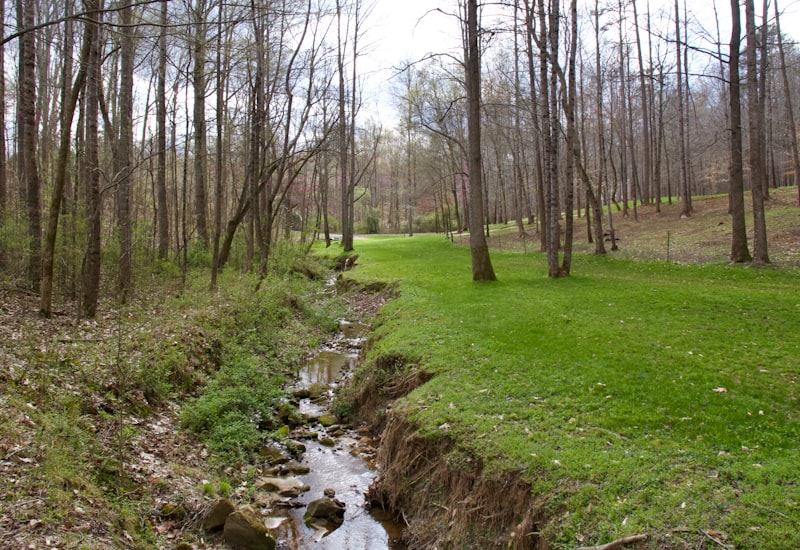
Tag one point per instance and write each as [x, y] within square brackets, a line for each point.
[686, 207]
[344, 146]
[763, 61]
[646, 138]
[200, 142]
[125, 152]
[162, 215]
[739, 249]
[601, 139]
[482, 269]
[3, 171]
[69, 104]
[553, 149]
[91, 265]
[519, 182]
[756, 131]
[219, 165]
[572, 141]
[792, 129]
[27, 132]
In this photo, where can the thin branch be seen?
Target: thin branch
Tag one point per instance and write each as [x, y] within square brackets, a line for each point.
[616, 544]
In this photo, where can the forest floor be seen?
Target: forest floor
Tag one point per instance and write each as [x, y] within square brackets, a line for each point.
[93, 450]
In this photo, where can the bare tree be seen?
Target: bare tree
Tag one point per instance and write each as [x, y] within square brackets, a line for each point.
[26, 142]
[792, 129]
[686, 207]
[69, 104]
[199, 12]
[756, 135]
[739, 249]
[124, 150]
[162, 216]
[91, 262]
[3, 171]
[482, 269]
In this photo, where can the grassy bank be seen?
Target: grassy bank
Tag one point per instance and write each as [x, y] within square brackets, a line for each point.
[633, 397]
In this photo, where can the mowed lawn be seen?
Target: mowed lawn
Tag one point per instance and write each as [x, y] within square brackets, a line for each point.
[635, 397]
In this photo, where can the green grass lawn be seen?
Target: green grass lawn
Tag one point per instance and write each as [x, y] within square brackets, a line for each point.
[639, 397]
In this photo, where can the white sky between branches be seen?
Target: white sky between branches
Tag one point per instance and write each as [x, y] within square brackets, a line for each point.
[408, 30]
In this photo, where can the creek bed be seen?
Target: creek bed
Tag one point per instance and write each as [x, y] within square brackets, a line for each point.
[345, 467]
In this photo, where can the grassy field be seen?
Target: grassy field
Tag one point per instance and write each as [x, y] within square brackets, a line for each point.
[635, 396]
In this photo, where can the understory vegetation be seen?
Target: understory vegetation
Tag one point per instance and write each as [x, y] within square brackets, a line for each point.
[634, 397]
[92, 450]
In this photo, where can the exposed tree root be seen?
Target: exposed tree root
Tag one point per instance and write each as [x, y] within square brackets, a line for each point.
[616, 544]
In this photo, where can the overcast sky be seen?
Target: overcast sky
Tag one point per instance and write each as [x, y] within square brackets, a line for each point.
[402, 30]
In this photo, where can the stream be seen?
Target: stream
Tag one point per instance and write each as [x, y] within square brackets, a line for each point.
[340, 458]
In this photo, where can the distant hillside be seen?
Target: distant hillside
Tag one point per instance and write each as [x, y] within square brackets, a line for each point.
[704, 237]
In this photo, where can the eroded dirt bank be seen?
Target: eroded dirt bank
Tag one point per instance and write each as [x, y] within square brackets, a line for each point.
[442, 494]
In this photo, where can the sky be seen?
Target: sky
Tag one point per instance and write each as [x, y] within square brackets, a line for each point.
[405, 30]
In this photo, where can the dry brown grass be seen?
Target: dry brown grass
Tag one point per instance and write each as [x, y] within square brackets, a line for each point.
[704, 237]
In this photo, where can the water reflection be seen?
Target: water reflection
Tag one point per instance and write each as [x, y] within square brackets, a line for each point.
[338, 467]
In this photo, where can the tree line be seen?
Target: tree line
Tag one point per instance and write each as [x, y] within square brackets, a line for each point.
[149, 134]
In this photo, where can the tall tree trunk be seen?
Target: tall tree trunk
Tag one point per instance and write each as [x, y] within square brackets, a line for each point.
[646, 138]
[69, 104]
[570, 106]
[124, 149]
[602, 178]
[200, 142]
[739, 249]
[91, 264]
[27, 132]
[343, 134]
[219, 164]
[482, 269]
[516, 152]
[3, 171]
[686, 207]
[763, 61]
[792, 129]
[756, 131]
[161, 139]
[552, 150]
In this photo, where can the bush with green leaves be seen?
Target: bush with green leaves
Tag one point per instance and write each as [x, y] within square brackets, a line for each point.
[236, 406]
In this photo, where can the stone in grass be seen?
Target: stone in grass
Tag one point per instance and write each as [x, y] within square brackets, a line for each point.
[217, 514]
[244, 530]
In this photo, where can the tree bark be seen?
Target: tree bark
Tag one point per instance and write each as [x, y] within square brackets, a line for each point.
[124, 150]
[199, 14]
[756, 131]
[91, 264]
[162, 215]
[686, 207]
[739, 248]
[60, 178]
[482, 269]
[3, 171]
[792, 129]
[27, 132]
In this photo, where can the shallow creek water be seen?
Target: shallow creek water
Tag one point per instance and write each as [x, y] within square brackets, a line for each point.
[337, 467]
